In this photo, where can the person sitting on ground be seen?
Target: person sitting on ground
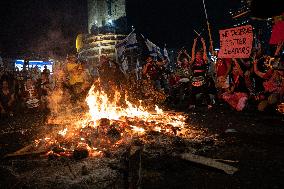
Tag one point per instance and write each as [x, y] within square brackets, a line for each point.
[273, 86]
[30, 95]
[237, 95]
[7, 99]
[223, 67]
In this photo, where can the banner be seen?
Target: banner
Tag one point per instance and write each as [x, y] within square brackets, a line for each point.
[277, 35]
[236, 42]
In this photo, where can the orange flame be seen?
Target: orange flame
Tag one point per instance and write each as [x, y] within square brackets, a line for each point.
[101, 107]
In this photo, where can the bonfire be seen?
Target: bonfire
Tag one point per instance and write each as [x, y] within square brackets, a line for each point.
[107, 125]
[97, 146]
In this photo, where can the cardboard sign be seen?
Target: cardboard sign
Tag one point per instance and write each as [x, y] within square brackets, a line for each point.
[236, 42]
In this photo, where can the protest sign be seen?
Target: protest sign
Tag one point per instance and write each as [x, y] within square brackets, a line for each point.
[236, 42]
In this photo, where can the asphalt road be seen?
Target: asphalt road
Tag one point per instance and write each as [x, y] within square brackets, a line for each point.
[255, 141]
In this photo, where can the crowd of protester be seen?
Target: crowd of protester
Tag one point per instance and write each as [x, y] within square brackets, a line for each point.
[29, 89]
[256, 82]
[192, 81]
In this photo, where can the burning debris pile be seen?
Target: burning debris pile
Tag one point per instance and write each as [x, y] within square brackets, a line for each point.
[115, 134]
[108, 125]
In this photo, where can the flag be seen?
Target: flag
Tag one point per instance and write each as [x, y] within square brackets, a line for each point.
[166, 54]
[130, 42]
[138, 70]
[153, 49]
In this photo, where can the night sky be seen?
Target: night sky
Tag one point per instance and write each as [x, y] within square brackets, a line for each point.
[41, 26]
[174, 23]
[51, 26]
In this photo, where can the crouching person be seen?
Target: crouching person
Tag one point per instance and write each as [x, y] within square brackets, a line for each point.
[7, 99]
[237, 95]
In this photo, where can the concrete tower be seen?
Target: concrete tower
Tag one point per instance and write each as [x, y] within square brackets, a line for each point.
[103, 13]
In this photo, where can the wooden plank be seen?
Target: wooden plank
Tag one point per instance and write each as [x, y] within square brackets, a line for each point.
[209, 162]
[27, 150]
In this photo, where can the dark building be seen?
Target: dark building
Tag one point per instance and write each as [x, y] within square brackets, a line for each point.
[106, 16]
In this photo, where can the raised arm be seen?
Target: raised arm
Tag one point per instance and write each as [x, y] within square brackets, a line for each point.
[178, 57]
[193, 50]
[229, 66]
[161, 63]
[278, 49]
[186, 54]
[204, 50]
[256, 71]
[145, 69]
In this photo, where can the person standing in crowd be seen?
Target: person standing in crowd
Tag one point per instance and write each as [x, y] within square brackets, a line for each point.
[198, 81]
[35, 74]
[182, 67]
[179, 80]
[152, 70]
[7, 99]
[237, 95]
[44, 90]
[46, 71]
[183, 58]
[79, 82]
[273, 86]
[163, 74]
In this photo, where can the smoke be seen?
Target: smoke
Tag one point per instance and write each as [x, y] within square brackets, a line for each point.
[53, 44]
[64, 101]
[58, 39]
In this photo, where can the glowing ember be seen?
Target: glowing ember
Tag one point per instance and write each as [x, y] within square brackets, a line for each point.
[63, 132]
[137, 129]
